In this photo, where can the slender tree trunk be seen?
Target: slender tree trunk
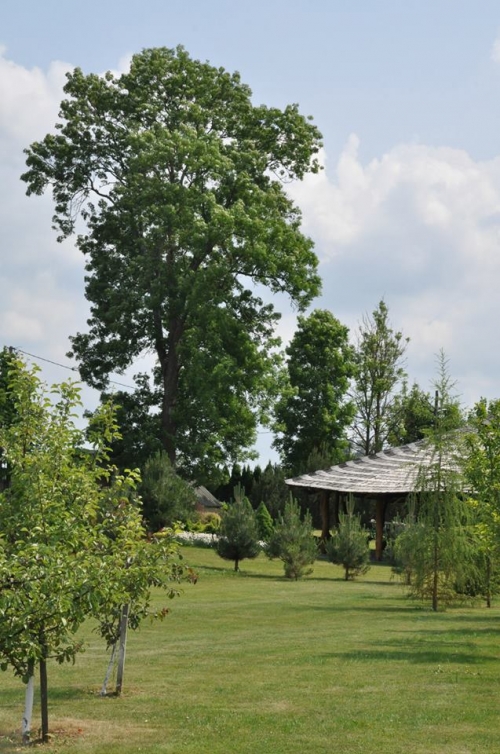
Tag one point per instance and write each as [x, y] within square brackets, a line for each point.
[236, 565]
[435, 576]
[28, 705]
[488, 581]
[122, 649]
[44, 695]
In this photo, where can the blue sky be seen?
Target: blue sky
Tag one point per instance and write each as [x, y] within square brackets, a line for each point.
[407, 96]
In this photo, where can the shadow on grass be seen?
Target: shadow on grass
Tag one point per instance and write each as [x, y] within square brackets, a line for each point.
[418, 655]
[231, 573]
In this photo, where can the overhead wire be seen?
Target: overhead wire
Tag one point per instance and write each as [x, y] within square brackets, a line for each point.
[63, 366]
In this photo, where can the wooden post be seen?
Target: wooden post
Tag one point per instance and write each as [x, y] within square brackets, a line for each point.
[380, 509]
[44, 697]
[122, 649]
[28, 705]
[324, 509]
[335, 516]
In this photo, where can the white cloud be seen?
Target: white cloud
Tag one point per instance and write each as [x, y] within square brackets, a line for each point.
[419, 226]
[29, 100]
[495, 50]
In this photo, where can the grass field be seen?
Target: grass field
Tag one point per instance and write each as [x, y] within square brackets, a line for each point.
[252, 664]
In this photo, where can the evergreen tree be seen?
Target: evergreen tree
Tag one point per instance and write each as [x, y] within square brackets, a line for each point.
[442, 560]
[293, 542]
[348, 545]
[271, 489]
[265, 522]
[238, 533]
[166, 497]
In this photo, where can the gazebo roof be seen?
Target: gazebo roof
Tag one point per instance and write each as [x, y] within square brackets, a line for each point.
[392, 471]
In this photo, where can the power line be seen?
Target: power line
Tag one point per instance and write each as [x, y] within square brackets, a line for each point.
[64, 366]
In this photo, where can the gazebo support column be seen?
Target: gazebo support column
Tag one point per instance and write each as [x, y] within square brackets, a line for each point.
[324, 509]
[380, 509]
[335, 510]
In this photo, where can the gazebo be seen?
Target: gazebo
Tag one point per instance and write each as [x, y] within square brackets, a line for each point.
[385, 478]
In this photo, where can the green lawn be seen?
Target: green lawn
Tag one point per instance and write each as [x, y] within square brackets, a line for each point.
[252, 664]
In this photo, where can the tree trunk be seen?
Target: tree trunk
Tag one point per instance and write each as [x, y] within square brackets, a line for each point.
[28, 705]
[122, 649]
[168, 356]
[236, 565]
[488, 581]
[435, 577]
[44, 696]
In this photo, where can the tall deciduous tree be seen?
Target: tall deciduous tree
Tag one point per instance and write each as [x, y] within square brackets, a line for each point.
[313, 413]
[379, 358]
[179, 179]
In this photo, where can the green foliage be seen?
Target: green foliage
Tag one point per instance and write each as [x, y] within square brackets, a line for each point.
[442, 560]
[211, 522]
[379, 354]
[481, 464]
[238, 533]
[348, 545]
[293, 542]
[8, 363]
[71, 539]
[271, 489]
[166, 498]
[265, 523]
[138, 423]
[180, 181]
[411, 415]
[313, 412]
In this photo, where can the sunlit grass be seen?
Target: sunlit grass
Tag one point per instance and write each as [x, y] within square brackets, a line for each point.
[254, 664]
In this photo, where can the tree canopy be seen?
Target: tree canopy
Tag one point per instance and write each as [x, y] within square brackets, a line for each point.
[379, 369]
[313, 412]
[179, 179]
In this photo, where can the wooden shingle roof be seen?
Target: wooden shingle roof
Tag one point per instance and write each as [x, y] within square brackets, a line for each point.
[392, 471]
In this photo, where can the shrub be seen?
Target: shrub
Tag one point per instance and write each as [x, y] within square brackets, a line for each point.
[348, 546]
[293, 542]
[238, 533]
